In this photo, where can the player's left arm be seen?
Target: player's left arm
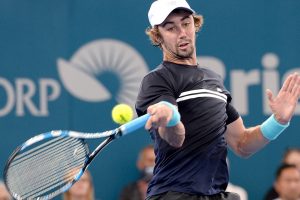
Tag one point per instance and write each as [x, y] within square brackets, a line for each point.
[246, 141]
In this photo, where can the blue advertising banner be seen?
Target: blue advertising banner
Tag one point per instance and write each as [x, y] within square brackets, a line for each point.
[65, 64]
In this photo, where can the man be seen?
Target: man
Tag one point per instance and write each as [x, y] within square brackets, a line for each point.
[191, 118]
[287, 182]
[291, 156]
[145, 163]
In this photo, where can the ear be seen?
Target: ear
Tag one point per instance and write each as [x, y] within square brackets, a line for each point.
[157, 38]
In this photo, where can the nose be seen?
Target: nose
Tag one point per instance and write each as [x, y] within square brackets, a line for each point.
[182, 32]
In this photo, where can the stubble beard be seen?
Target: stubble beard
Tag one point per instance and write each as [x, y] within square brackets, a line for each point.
[188, 53]
[177, 53]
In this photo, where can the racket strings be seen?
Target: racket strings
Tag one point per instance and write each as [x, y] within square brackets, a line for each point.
[36, 150]
[49, 186]
[51, 179]
[38, 175]
[46, 167]
[29, 164]
[42, 156]
[34, 163]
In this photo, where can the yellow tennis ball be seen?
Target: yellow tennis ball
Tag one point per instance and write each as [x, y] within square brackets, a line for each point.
[122, 113]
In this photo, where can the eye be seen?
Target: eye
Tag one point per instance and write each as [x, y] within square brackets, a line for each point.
[186, 24]
[171, 28]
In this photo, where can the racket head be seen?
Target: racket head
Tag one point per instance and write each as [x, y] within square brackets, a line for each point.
[46, 165]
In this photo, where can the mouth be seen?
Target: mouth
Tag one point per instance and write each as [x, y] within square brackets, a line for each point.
[183, 45]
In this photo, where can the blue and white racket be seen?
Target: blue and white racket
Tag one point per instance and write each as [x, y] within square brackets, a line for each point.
[50, 163]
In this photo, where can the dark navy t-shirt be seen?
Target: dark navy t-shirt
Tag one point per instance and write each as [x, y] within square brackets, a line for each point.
[199, 166]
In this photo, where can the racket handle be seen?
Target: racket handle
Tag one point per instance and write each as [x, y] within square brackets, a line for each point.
[134, 124]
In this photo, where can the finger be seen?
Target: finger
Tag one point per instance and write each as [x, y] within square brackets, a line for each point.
[286, 83]
[151, 123]
[150, 110]
[295, 89]
[270, 96]
[293, 82]
[297, 92]
[148, 124]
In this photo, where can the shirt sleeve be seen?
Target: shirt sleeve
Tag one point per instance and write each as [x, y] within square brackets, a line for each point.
[154, 88]
[232, 114]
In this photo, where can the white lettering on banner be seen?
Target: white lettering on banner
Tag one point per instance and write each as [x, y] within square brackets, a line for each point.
[45, 97]
[9, 90]
[23, 94]
[24, 98]
[241, 80]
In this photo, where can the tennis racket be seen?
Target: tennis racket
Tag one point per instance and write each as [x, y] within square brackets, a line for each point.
[50, 163]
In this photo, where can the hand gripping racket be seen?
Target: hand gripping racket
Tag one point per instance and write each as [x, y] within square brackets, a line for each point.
[50, 163]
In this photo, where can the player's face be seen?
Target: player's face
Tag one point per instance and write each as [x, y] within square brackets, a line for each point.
[288, 184]
[178, 35]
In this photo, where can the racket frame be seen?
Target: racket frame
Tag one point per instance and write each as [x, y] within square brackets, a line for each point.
[109, 135]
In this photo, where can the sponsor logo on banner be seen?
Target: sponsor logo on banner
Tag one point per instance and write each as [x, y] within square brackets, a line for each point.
[79, 76]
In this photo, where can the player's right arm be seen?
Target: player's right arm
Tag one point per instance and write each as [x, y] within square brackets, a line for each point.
[160, 116]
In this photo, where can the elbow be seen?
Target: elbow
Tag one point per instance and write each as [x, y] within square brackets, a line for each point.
[243, 153]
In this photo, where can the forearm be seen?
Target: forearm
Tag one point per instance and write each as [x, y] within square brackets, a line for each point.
[174, 135]
[251, 141]
[247, 141]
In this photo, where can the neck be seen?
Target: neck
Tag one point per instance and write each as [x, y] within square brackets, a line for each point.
[171, 57]
[183, 61]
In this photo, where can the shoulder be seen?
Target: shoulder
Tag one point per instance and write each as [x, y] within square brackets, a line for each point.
[161, 75]
[158, 72]
[210, 73]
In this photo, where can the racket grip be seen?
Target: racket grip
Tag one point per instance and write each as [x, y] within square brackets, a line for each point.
[134, 124]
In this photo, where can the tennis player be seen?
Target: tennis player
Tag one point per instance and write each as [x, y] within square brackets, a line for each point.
[192, 120]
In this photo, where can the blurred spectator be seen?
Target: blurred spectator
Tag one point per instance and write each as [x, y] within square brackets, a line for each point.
[235, 188]
[291, 156]
[287, 183]
[83, 189]
[138, 189]
[4, 194]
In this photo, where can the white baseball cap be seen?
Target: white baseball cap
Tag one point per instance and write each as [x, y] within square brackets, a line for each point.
[160, 9]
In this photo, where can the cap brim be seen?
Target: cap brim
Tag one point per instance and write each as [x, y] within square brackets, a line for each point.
[166, 14]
